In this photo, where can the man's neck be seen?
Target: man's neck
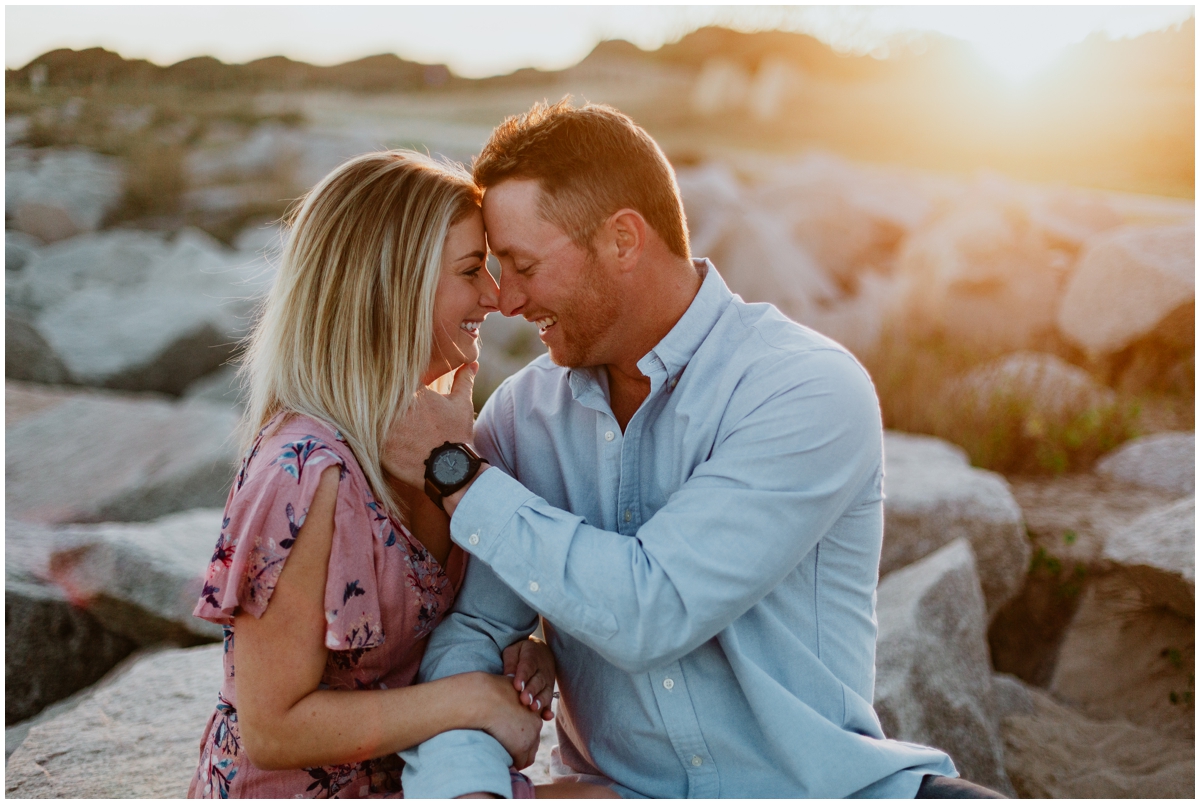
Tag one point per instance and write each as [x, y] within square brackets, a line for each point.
[657, 309]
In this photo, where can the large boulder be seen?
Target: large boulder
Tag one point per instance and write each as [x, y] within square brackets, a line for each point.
[27, 355]
[130, 310]
[54, 194]
[1041, 384]
[136, 736]
[52, 647]
[1127, 656]
[506, 346]
[933, 682]
[99, 457]
[1128, 282]
[19, 249]
[1164, 461]
[934, 496]
[1069, 519]
[1052, 751]
[982, 273]
[1158, 553]
[139, 580]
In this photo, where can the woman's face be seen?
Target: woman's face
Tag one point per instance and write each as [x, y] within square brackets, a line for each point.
[466, 293]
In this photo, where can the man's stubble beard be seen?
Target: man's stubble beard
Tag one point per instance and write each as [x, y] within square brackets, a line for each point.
[590, 316]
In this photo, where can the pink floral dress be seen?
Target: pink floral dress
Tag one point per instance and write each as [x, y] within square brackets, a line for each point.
[384, 594]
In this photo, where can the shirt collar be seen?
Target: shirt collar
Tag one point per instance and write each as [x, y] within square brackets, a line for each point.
[675, 350]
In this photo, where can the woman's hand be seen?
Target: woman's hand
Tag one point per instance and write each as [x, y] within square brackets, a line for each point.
[508, 720]
[530, 664]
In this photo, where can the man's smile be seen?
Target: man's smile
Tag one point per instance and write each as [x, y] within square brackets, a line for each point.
[544, 323]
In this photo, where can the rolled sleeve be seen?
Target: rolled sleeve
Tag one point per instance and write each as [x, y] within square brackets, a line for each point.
[455, 763]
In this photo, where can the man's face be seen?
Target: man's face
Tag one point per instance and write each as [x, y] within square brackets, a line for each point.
[549, 280]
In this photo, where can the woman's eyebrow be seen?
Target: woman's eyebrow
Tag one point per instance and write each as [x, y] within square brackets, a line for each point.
[474, 255]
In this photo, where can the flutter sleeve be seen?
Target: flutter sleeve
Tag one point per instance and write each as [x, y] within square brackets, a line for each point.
[262, 521]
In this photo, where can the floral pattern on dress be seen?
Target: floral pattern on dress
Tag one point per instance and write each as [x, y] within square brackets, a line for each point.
[379, 576]
[427, 578]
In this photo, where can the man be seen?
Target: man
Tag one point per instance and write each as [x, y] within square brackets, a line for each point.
[687, 489]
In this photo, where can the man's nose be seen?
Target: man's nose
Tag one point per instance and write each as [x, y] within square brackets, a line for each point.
[511, 299]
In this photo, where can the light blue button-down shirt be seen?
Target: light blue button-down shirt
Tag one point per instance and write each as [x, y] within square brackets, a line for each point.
[706, 578]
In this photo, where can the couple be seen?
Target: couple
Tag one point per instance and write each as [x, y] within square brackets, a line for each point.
[686, 491]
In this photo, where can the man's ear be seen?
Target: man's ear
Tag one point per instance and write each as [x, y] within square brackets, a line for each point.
[628, 230]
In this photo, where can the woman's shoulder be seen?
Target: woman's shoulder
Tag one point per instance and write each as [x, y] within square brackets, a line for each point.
[292, 445]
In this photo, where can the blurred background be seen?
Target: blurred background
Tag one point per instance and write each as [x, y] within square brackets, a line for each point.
[993, 208]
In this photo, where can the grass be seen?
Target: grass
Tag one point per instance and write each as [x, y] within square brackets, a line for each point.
[1005, 432]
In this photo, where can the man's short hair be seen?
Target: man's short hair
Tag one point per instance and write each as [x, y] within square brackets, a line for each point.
[590, 162]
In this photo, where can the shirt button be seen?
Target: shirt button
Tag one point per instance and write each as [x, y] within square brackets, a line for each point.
[610, 435]
[473, 538]
[628, 515]
[696, 761]
[668, 683]
[533, 586]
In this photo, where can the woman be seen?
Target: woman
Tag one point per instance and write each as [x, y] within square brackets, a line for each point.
[327, 577]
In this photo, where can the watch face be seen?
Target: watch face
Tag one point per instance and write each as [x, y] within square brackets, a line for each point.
[451, 466]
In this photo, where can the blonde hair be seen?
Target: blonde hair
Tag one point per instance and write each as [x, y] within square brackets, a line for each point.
[346, 330]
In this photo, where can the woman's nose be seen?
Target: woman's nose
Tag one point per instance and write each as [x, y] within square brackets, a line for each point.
[489, 296]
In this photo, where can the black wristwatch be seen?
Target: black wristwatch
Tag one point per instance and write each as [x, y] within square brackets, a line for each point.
[448, 468]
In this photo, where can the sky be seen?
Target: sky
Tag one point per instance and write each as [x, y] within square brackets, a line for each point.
[477, 41]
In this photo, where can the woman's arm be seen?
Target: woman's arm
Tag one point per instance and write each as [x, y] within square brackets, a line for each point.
[286, 722]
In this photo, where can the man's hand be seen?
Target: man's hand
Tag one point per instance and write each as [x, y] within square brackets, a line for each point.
[432, 420]
[530, 664]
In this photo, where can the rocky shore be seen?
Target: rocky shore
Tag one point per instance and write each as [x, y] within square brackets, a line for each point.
[1033, 349]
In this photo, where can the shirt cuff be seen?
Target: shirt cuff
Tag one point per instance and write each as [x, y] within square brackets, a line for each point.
[485, 510]
[455, 763]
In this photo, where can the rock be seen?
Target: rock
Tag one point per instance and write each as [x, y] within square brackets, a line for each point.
[850, 218]
[140, 581]
[57, 193]
[101, 457]
[221, 386]
[1055, 752]
[1011, 696]
[267, 237]
[759, 258]
[1164, 461]
[231, 198]
[933, 496]
[52, 647]
[1072, 217]
[1069, 519]
[19, 250]
[507, 345]
[711, 193]
[137, 735]
[1124, 656]
[263, 154]
[1158, 553]
[22, 400]
[27, 355]
[128, 310]
[1128, 281]
[1041, 384]
[982, 274]
[933, 680]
